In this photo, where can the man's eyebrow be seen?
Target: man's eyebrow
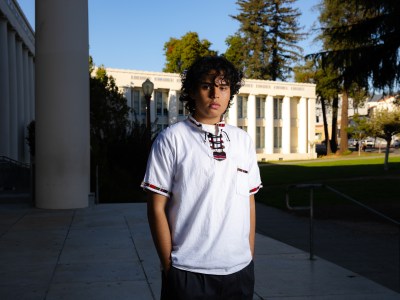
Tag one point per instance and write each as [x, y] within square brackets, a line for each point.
[215, 83]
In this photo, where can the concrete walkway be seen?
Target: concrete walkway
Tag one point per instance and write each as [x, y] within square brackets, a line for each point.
[106, 252]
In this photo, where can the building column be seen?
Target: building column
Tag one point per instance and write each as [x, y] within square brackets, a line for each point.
[27, 102]
[232, 112]
[251, 117]
[303, 121]
[127, 92]
[153, 113]
[173, 107]
[31, 79]
[286, 126]
[269, 125]
[62, 104]
[311, 126]
[12, 64]
[4, 91]
[20, 105]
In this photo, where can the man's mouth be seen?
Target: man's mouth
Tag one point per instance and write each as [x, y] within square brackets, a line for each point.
[214, 106]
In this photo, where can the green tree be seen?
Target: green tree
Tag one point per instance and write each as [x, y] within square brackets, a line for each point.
[385, 124]
[269, 32]
[361, 41]
[234, 53]
[181, 53]
[359, 128]
[333, 15]
[359, 95]
[109, 127]
[118, 146]
[108, 109]
[368, 36]
[327, 95]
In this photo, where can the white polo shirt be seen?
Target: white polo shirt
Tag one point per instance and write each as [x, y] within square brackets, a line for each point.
[208, 177]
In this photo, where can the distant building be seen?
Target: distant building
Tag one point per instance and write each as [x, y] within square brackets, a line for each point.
[319, 126]
[382, 102]
[376, 102]
[279, 116]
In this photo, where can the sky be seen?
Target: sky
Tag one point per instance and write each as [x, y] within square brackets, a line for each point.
[130, 34]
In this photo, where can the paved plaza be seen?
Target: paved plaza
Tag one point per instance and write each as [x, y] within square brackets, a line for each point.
[106, 252]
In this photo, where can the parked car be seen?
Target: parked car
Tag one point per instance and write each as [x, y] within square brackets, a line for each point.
[369, 142]
[352, 142]
[379, 142]
[396, 143]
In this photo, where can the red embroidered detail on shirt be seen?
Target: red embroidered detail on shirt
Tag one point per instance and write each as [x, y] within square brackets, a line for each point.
[219, 155]
[256, 189]
[217, 145]
[152, 186]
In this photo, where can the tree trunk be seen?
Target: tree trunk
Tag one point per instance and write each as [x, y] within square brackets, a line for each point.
[335, 105]
[344, 122]
[387, 150]
[326, 131]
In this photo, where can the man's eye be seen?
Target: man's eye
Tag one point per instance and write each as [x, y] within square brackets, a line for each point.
[205, 86]
[223, 87]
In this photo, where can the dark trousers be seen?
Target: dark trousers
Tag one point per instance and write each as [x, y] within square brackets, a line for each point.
[184, 285]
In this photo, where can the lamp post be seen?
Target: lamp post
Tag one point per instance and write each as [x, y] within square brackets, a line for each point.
[148, 88]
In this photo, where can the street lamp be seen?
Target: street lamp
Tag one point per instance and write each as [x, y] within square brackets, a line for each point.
[148, 88]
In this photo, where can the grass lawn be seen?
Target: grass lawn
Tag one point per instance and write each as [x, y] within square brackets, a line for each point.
[362, 178]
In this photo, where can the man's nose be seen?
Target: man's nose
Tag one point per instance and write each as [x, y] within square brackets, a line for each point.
[214, 92]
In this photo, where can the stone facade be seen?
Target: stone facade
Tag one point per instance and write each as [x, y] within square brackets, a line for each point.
[279, 116]
[17, 72]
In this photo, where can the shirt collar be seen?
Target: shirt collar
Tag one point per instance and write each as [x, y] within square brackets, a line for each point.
[201, 126]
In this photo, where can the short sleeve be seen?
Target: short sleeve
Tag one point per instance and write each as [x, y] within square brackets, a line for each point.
[160, 166]
[255, 183]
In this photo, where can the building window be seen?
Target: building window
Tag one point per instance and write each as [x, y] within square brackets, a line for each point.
[277, 137]
[243, 128]
[182, 111]
[160, 127]
[260, 108]
[242, 107]
[260, 141]
[138, 103]
[161, 103]
[278, 108]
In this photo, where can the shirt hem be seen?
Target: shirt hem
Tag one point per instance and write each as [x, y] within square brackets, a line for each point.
[225, 271]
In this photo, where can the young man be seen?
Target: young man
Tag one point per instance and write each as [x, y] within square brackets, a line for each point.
[202, 175]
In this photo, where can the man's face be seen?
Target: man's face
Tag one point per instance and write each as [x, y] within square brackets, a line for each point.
[211, 98]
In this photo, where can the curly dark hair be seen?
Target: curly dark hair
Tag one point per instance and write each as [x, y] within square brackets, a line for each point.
[201, 67]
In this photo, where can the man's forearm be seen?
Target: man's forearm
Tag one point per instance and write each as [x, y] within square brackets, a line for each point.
[159, 228]
[252, 224]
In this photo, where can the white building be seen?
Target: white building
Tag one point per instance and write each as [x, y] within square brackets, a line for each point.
[377, 102]
[33, 88]
[17, 73]
[279, 116]
[382, 103]
[361, 110]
